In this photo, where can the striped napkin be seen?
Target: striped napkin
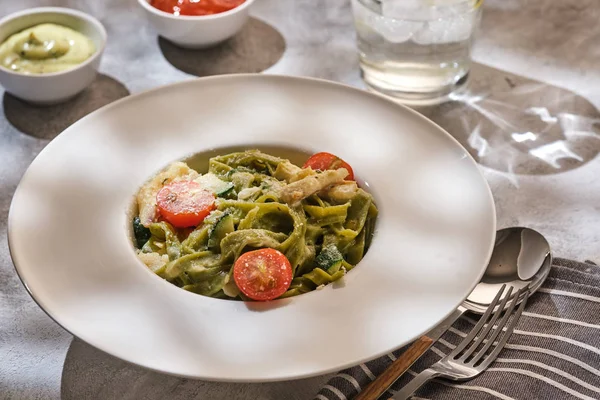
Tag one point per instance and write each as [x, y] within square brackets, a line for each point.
[554, 352]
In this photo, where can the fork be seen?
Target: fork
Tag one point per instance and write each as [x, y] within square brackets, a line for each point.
[462, 364]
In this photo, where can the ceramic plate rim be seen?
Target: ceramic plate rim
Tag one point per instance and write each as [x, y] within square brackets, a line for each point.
[136, 97]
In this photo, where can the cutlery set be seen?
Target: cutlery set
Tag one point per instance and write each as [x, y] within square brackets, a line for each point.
[521, 260]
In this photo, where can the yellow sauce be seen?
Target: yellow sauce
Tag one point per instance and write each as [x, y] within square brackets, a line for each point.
[45, 48]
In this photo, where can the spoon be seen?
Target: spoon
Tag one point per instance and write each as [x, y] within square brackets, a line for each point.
[521, 258]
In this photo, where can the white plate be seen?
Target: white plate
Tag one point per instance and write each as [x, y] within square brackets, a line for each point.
[69, 229]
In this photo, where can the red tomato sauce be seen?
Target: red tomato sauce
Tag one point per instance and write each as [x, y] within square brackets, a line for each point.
[195, 7]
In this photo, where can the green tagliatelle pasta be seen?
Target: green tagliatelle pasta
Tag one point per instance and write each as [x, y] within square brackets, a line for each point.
[322, 223]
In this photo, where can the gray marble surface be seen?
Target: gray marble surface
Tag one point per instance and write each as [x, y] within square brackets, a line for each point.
[550, 44]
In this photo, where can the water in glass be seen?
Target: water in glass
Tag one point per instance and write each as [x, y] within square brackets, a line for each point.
[415, 50]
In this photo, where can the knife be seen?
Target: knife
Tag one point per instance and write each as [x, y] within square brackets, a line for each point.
[408, 358]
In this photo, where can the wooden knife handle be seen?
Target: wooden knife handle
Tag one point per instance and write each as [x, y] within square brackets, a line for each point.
[394, 371]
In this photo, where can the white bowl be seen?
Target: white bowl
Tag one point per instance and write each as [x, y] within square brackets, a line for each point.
[70, 240]
[196, 32]
[58, 86]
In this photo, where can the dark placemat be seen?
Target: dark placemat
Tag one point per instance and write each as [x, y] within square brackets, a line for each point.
[255, 48]
[554, 352]
[45, 122]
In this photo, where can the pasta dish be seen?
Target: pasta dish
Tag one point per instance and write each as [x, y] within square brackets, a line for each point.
[255, 226]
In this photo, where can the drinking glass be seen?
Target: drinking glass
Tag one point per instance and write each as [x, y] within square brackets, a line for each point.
[417, 51]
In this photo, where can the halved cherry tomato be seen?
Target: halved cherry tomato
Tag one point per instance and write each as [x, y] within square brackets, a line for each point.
[263, 274]
[184, 203]
[323, 161]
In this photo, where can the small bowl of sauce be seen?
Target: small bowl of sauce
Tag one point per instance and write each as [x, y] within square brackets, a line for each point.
[197, 23]
[49, 54]
[195, 8]
[45, 48]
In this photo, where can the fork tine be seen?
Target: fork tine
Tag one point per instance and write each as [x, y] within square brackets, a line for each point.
[509, 330]
[450, 368]
[490, 341]
[465, 342]
[481, 337]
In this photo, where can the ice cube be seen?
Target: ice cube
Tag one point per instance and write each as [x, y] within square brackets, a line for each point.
[445, 30]
[406, 9]
[392, 30]
[396, 31]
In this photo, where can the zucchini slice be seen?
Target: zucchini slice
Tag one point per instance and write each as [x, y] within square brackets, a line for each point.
[330, 259]
[222, 227]
[212, 182]
[141, 233]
